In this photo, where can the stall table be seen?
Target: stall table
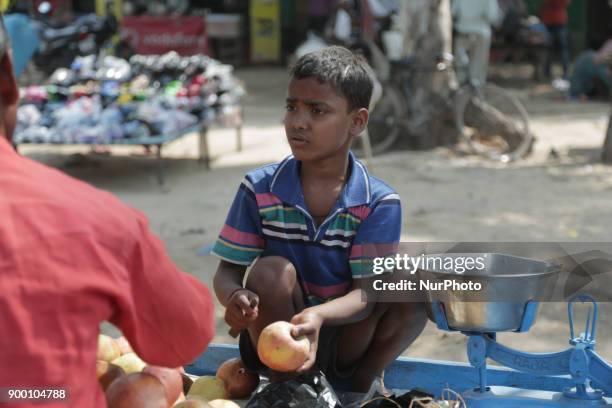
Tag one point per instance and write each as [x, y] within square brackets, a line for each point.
[158, 141]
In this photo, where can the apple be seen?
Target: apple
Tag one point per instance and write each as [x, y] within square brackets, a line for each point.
[223, 403]
[136, 390]
[170, 378]
[239, 383]
[108, 350]
[124, 345]
[192, 402]
[130, 363]
[208, 387]
[279, 350]
[107, 373]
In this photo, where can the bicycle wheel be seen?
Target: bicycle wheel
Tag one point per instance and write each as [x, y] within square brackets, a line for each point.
[493, 122]
[384, 122]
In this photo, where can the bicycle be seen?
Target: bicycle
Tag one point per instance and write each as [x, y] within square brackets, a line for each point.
[490, 120]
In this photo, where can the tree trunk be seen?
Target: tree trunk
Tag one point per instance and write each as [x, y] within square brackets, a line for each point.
[427, 28]
[607, 147]
[491, 122]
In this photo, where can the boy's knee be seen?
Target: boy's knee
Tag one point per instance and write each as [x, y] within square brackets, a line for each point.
[272, 273]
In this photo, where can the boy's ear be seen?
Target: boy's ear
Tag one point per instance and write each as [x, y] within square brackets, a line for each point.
[360, 121]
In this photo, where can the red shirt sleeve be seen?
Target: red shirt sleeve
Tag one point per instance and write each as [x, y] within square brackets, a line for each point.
[166, 315]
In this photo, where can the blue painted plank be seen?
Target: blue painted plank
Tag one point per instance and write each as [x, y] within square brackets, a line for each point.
[408, 373]
[433, 376]
[212, 358]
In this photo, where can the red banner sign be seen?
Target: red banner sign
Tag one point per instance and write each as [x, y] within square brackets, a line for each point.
[158, 35]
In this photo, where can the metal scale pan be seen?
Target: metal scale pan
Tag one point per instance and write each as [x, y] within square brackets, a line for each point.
[510, 288]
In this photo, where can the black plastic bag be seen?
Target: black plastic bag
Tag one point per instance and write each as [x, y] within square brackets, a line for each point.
[310, 390]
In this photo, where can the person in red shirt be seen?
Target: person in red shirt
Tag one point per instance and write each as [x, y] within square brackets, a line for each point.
[553, 14]
[72, 256]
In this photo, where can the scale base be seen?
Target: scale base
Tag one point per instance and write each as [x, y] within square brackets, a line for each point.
[507, 397]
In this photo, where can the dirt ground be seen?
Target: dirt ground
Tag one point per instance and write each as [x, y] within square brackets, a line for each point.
[445, 196]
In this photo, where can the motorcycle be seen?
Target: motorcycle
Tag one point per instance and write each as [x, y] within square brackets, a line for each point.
[59, 46]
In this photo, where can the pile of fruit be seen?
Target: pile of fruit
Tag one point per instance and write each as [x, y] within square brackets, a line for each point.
[129, 382]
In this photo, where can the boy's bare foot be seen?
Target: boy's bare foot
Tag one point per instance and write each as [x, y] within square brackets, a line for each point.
[377, 388]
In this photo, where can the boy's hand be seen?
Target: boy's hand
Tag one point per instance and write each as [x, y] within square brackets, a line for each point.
[241, 309]
[308, 323]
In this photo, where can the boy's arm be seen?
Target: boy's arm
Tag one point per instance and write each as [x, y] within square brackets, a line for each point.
[239, 244]
[343, 310]
[241, 305]
[228, 279]
[346, 309]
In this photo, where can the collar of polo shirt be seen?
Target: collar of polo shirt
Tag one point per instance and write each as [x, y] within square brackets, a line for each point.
[286, 184]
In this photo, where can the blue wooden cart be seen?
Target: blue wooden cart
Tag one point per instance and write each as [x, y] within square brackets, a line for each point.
[511, 388]
[575, 377]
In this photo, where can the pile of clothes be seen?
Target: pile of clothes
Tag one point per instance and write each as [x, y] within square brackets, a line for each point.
[110, 100]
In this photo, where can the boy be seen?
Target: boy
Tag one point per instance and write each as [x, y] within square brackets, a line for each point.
[307, 221]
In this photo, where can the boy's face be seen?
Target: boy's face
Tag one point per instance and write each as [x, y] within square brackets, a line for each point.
[318, 124]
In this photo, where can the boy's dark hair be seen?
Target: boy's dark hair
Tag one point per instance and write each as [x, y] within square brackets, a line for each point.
[344, 71]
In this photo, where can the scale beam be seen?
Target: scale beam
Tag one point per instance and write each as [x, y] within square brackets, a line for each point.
[535, 363]
[600, 373]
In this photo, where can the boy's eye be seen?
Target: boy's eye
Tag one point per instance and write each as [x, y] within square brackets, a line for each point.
[289, 108]
[317, 111]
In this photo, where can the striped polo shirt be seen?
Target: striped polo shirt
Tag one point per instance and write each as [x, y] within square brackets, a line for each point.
[268, 217]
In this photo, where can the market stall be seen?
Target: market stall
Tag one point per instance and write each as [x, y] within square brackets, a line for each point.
[148, 101]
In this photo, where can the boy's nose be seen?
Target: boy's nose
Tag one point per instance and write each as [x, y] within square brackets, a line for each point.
[296, 121]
